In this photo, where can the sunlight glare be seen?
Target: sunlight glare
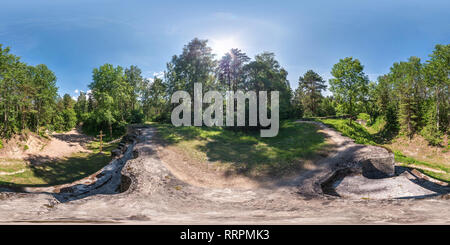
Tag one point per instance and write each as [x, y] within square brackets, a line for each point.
[222, 46]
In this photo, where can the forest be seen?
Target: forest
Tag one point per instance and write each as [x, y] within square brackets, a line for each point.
[411, 99]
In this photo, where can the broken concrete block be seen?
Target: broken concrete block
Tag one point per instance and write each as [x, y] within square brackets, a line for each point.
[376, 162]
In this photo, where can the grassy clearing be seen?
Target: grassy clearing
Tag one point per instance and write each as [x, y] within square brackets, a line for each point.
[369, 135]
[55, 172]
[248, 151]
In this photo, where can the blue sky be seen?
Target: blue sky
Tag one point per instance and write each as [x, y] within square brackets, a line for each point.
[74, 36]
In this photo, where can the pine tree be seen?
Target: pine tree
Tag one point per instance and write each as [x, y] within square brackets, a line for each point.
[311, 85]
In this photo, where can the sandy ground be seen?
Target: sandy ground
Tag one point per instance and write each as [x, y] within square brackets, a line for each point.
[157, 196]
[58, 145]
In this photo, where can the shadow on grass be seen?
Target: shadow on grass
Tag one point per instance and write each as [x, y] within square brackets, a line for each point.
[246, 151]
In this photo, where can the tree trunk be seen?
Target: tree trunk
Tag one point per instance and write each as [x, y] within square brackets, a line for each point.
[110, 129]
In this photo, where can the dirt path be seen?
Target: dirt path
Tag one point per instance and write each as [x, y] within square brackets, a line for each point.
[156, 196]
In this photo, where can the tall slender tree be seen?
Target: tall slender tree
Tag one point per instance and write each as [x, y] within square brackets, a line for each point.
[310, 87]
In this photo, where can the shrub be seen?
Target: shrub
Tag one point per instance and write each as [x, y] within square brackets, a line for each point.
[136, 116]
[364, 116]
[430, 131]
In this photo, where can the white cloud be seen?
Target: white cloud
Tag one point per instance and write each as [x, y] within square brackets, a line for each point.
[158, 74]
[77, 91]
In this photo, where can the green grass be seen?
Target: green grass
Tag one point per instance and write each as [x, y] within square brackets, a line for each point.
[376, 126]
[55, 172]
[248, 151]
[364, 116]
[350, 129]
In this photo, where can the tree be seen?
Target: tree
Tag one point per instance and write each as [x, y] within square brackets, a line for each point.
[382, 94]
[133, 79]
[310, 87]
[230, 70]
[327, 107]
[196, 64]
[266, 74]
[28, 95]
[156, 100]
[68, 113]
[437, 77]
[297, 104]
[44, 82]
[408, 87]
[349, 83]
[9, 75]
[109, 93]
[81, 107]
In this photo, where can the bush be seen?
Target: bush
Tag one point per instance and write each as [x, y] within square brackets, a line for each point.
[430, 131]
[432, 135]
[364, 116]
[136, 116]
[70, 119]
[379, 124]
[1, 144]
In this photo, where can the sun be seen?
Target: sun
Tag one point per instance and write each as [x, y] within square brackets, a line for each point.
[222, 46]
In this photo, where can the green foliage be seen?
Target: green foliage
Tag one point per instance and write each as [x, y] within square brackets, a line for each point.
[1, 144]
[408, 86]
[113, 101]
[155, 100]
[436, 73]
[364, 116]
[266, 74]
[309, 93]
[70, 119]
[378, 125]
[136, 116]
[430, 131]
[412, 98]
[349, 83]
[234, 71]
[28, 96]
[327, 107]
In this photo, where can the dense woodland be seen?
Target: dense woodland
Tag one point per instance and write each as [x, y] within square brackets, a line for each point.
[413, 98]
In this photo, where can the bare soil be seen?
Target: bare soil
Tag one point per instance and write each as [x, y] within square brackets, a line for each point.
[35, 149]
[421, 150]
